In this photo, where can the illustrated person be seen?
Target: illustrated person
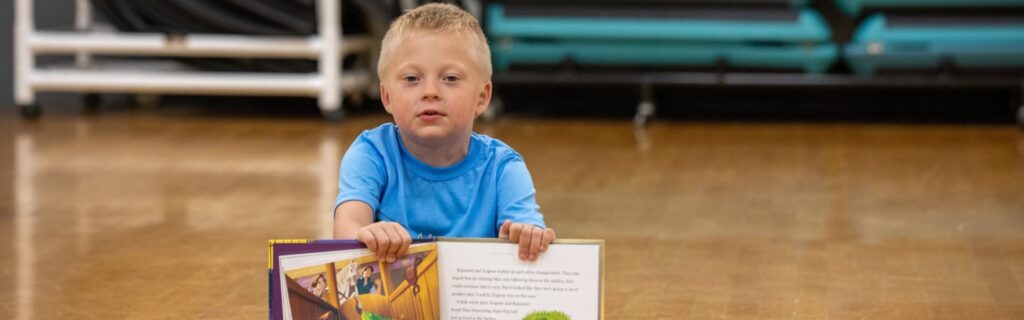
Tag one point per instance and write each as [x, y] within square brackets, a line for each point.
[428, 173]
[365, 283]
[319, 286]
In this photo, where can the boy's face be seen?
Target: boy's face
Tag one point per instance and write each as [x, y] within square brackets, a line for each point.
[433, 87]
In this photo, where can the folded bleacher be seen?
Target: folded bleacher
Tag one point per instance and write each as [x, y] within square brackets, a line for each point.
[763, 35]
[936, 35]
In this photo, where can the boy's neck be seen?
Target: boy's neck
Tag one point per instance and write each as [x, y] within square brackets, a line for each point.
[437, 153]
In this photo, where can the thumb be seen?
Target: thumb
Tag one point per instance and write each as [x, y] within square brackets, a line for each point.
[503, 231]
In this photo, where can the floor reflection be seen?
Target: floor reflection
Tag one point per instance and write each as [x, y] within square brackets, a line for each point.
[148, 217]
[24, 221]
[95, 202]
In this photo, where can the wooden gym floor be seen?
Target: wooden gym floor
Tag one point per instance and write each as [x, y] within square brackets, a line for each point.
[145, 215]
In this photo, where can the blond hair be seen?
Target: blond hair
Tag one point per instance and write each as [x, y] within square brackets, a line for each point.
[437, 17]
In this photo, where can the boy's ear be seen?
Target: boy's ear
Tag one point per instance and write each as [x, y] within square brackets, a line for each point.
[485, 98]
[385, 98]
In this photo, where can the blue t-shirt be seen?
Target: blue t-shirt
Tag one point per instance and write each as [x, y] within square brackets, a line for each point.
[470, 198]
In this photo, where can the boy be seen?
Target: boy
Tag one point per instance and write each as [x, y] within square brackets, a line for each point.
[428, 174]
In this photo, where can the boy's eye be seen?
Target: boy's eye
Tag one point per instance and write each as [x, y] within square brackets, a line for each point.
[410, 78]
[451, 78]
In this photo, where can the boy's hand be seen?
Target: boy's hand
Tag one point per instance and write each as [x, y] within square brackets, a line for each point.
[389, 240]
[532, 239]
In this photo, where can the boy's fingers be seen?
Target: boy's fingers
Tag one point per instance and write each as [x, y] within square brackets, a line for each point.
[514, 231]
[406, 241]
[549, 235]
[366, 236]
[535, 242]
[380, 239]
[394, 242]
[503, 231]
[401, 241]
[524, 244]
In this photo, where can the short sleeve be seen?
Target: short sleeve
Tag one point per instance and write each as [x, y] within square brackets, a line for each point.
[361, 176]
[516, 195]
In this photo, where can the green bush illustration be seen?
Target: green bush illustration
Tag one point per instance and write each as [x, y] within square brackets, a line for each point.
[372, 316]
[546, 315]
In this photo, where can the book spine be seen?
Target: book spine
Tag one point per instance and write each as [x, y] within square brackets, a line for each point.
[274, 313]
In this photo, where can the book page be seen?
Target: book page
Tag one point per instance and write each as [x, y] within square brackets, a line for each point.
[487, 281]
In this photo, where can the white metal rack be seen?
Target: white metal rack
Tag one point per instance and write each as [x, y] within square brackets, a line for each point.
[327, 47]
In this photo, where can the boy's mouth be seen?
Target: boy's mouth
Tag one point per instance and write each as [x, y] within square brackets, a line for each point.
[430, 113]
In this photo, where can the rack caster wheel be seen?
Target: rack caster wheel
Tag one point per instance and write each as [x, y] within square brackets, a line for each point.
[646, 108]
[147, 101]
[91, 103]
[644, 111]
[334, 116]
[30, 111]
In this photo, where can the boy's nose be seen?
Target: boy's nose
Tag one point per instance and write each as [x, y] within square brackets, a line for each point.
[430, 91]
[431, 96]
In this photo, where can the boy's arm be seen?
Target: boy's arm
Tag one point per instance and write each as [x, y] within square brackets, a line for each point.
[354, 220]
[360, 182]
[520, 217]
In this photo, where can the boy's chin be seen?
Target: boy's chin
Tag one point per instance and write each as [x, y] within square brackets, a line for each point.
[434, 133]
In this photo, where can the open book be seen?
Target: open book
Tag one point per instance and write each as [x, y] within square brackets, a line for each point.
[446, 278]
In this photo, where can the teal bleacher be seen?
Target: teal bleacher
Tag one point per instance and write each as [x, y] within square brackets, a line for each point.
[794, 37]
[902, 40]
